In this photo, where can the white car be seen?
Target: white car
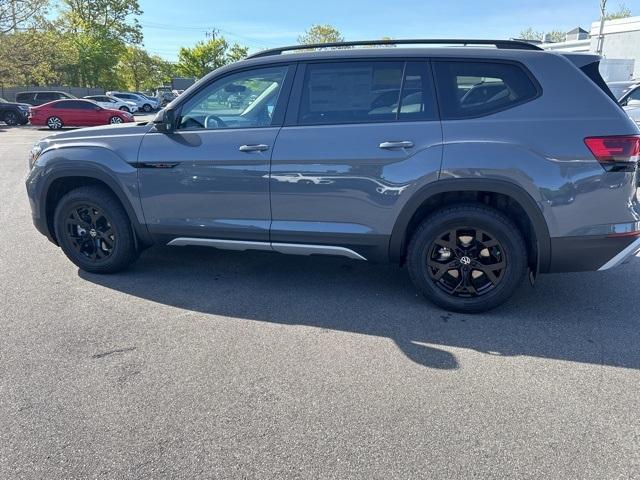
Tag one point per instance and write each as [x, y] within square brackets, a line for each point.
[105, 101]
[144, 104]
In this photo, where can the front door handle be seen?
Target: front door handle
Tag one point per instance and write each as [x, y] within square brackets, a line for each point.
[254, 148]
[394, 145]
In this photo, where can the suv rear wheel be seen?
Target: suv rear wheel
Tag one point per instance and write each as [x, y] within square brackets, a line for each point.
[94, 231]
[467, 258]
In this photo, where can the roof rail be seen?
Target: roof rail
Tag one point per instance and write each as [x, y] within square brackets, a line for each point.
[502, 44]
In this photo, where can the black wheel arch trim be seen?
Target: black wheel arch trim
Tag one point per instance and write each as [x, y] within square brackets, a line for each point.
[140, 229]
[397, 242]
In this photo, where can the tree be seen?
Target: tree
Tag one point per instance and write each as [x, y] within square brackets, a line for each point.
[530, 34]
[320, 34]
[16, 14]
[557, 36]
[99, 31]
[622, 12]
[207, 55]
[141, 71]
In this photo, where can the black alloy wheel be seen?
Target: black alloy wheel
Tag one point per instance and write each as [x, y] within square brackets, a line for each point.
[90, 232]
[94, 230]
[466, 262]
[467, 258]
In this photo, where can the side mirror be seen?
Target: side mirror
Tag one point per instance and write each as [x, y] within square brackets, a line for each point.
[165, 120]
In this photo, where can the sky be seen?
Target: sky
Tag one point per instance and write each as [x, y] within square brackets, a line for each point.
[258, 24]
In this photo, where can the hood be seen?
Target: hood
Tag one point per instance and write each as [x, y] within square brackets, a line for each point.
[103, 132]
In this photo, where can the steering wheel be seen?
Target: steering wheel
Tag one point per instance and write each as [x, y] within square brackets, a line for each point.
[213, 121]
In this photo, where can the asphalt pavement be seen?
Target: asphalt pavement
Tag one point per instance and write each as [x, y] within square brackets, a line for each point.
[198, 363]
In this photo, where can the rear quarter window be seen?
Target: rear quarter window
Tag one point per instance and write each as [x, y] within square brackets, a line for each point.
[470, 89]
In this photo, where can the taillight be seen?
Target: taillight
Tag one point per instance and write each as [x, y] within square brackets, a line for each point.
[617, 149]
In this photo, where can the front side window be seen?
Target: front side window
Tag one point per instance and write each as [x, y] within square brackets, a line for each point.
[241, 100]
[474, 89]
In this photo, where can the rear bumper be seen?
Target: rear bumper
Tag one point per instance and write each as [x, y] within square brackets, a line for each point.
[578, 254]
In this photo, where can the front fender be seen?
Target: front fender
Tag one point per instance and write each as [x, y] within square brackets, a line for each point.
[92, 162]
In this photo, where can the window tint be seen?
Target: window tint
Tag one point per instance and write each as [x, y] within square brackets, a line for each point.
[242, 100]
[48, 96]
[635, 95]
[473, 89]
[417, 102]
[75, 105]
[348, 92]
[25, 97]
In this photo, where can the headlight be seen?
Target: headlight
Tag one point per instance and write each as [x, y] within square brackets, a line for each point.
[34, 154]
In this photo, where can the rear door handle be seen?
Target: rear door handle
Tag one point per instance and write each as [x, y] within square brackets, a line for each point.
[394, 145]
[254, 148]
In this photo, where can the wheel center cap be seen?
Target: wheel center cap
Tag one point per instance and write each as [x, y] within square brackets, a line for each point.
[465, 260]
[93, 232]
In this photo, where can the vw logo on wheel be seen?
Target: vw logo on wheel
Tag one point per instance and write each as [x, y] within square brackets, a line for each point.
[465, 261]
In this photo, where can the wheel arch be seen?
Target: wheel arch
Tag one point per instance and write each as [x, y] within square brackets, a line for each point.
[509, 198]
[62, 182]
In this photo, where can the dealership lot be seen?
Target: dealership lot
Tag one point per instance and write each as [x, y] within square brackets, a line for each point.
[198, 363]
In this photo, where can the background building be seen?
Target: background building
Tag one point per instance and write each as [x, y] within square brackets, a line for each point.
[621, 47]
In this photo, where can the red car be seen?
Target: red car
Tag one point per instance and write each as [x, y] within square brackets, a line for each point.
[76, 113]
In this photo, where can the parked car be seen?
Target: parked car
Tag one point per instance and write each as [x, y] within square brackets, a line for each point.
[76, 113]
[473, 197]
[113, 103]
[145, 104]
[40, 98]
[619, 89]
[166, 97]
[630, 101]
[14, 113]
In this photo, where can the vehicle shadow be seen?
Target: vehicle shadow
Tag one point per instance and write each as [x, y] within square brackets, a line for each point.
[589, 317]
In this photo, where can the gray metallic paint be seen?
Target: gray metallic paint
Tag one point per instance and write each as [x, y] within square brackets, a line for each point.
[333, 185]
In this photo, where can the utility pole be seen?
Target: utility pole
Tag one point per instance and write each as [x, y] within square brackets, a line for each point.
[600, 45]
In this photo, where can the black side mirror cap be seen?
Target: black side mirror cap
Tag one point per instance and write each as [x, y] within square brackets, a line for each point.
[165, 121]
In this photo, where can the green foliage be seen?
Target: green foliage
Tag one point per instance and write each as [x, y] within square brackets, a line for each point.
[93, 43]
[557, 36]
[531, 34]
[622, 12]
[20, 14]
[207, 55]
[320, 34]
[140, 71]
[99, 31]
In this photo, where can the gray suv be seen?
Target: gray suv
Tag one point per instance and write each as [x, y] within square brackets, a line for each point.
[474, 164]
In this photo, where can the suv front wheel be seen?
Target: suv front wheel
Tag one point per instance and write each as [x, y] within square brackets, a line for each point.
[467, 258]
[94, 231]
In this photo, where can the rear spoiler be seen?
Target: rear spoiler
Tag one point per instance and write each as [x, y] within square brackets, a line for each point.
[581, 59]
[589, 64]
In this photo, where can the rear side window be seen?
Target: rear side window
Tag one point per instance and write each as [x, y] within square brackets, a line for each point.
[364, 92]
[474, 89]
[25, 97]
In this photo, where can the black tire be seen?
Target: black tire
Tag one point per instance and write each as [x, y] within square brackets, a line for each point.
[115, 120]
[55, 123]
[94, 231]
[468, 277]
[147, 108]
[11, 119]
[125, 109]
